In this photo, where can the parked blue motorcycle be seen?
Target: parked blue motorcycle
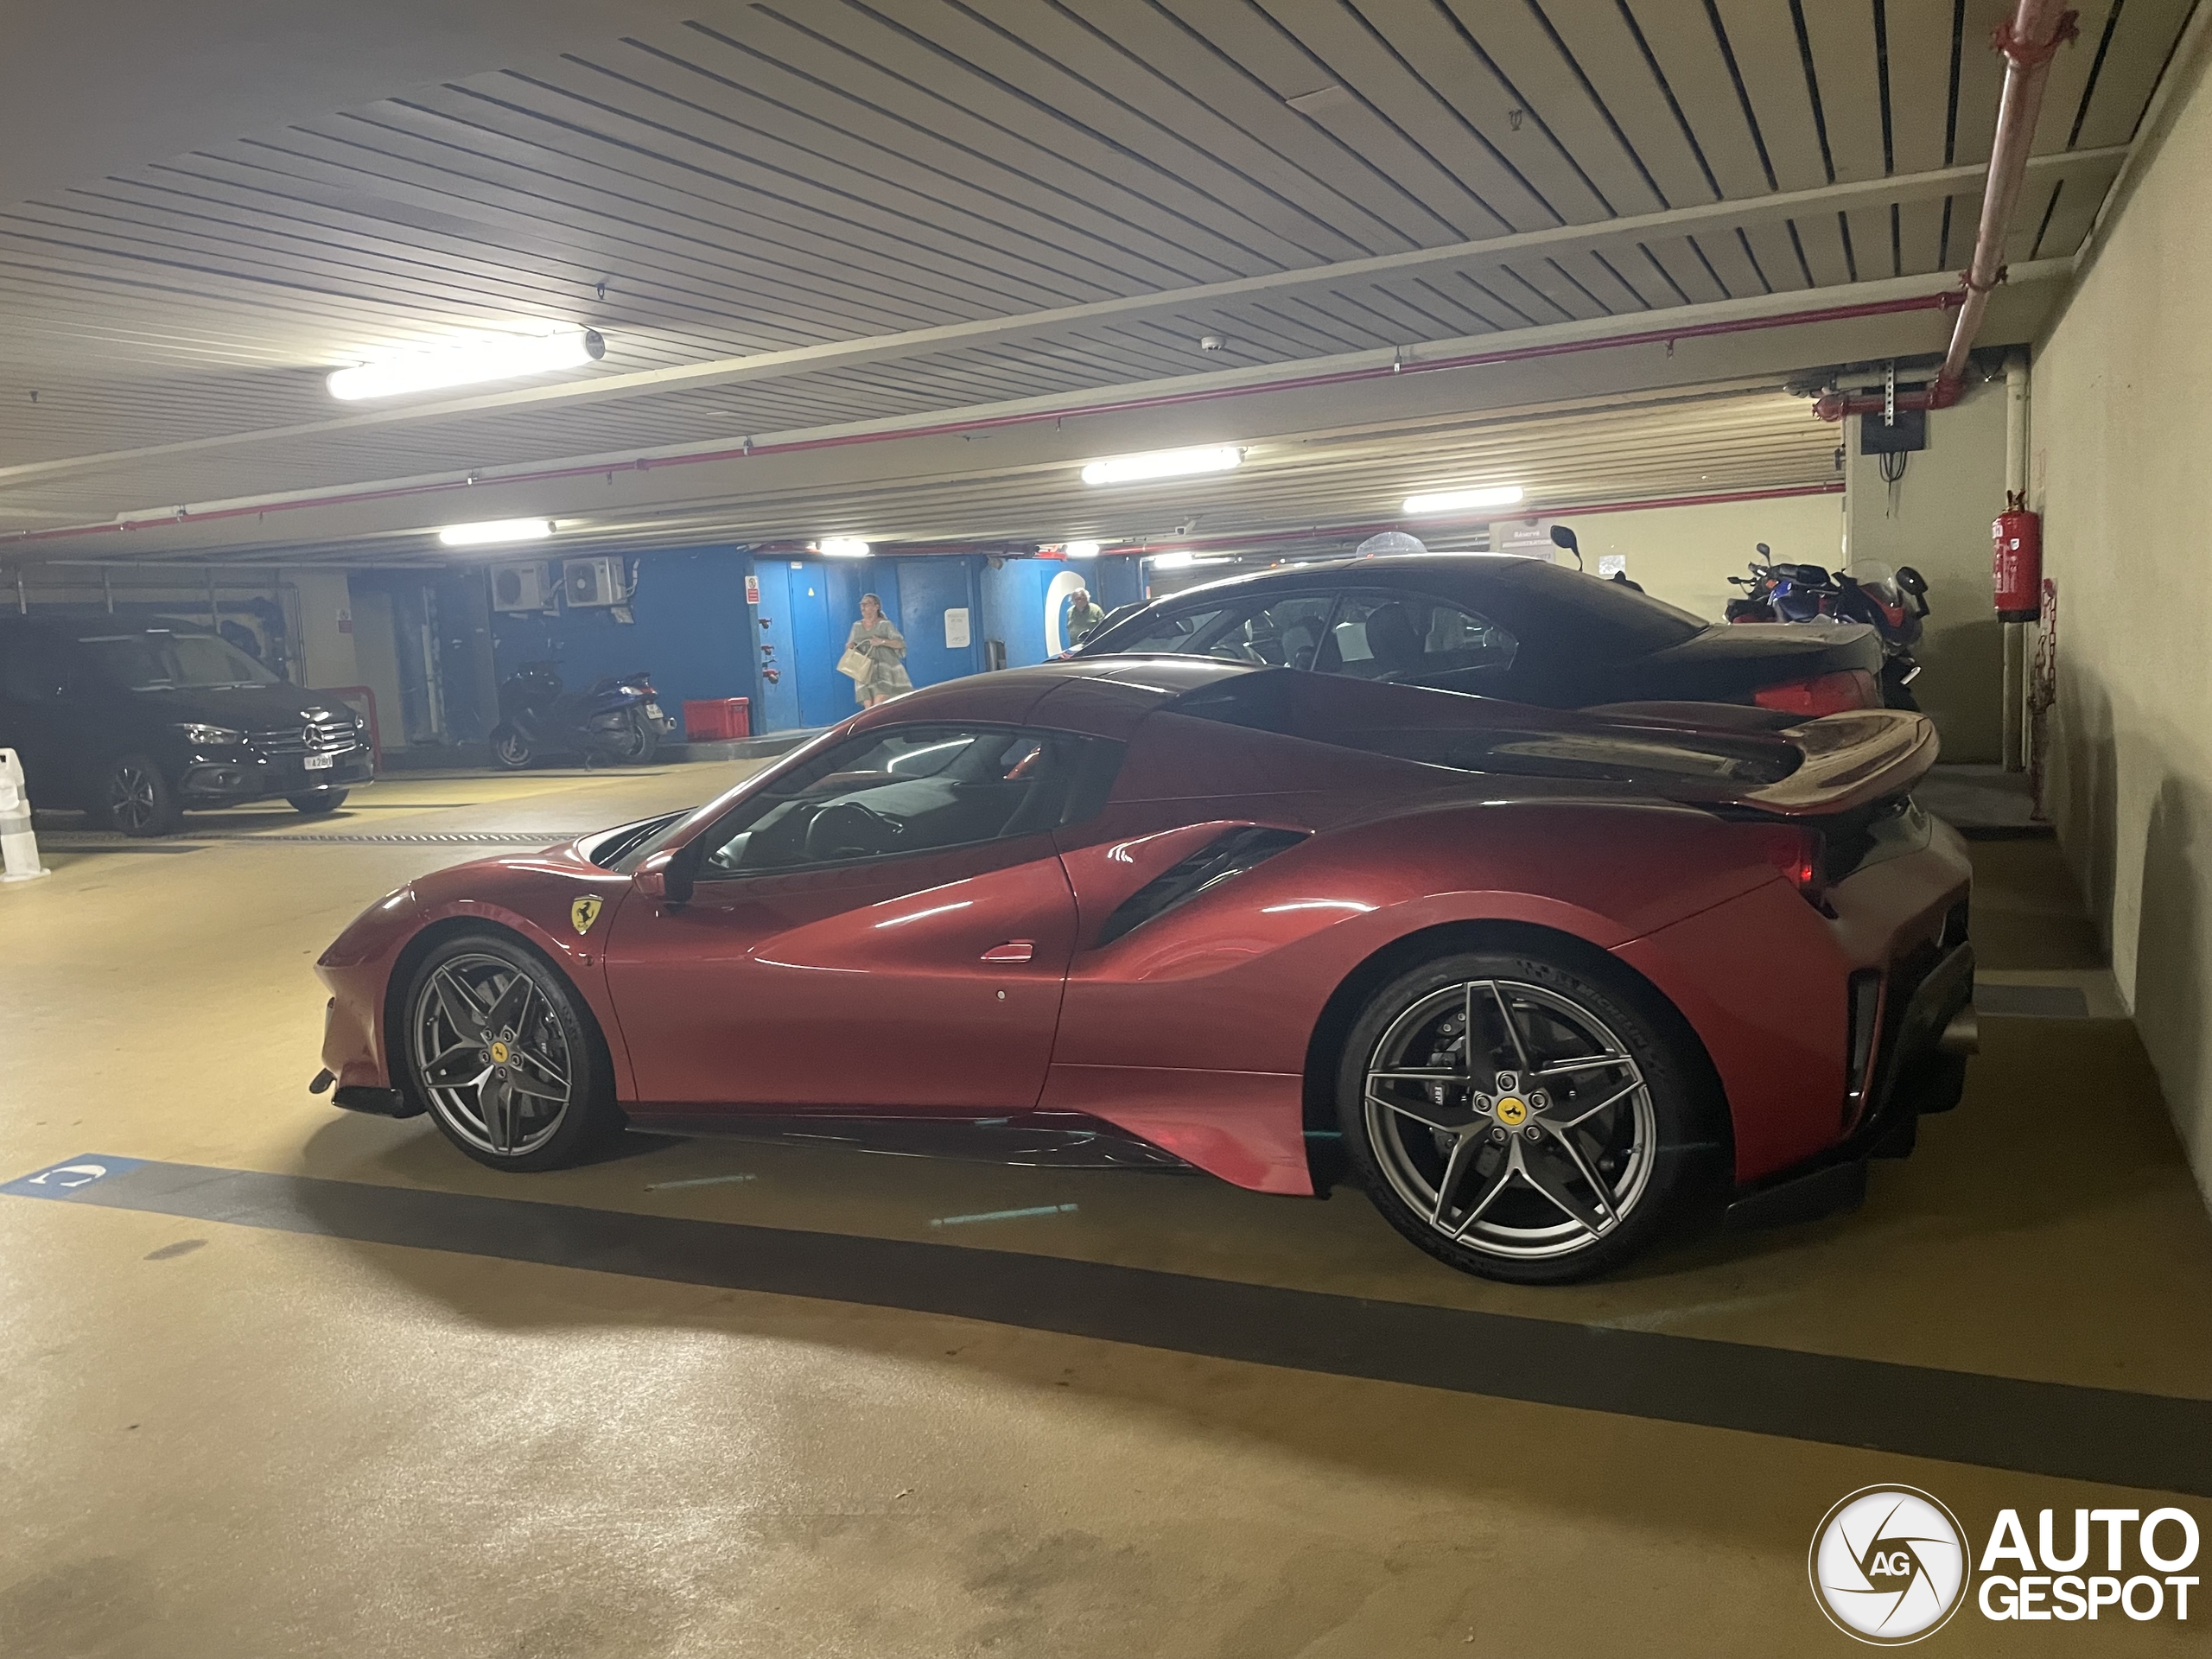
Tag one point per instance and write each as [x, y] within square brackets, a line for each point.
[618, 719]
[1893, 602]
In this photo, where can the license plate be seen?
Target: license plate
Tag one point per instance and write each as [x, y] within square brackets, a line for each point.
[320, 762]
[653, 709]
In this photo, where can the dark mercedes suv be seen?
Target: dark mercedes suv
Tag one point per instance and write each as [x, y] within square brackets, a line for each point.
[136, 720]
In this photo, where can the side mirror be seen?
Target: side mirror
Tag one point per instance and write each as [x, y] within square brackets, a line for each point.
[665, 876]
[1911, 581]
[1765, 552]
[1562, 537]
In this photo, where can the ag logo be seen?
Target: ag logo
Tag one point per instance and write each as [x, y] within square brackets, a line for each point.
[1888, 1565]
[584, 913]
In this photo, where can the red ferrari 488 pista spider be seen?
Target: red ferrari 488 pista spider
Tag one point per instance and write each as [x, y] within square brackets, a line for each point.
[1558, 980]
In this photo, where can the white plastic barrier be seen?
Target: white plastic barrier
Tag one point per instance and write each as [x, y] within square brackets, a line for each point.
[18, 846]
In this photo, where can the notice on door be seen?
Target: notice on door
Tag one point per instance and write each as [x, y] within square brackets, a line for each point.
[956, 630]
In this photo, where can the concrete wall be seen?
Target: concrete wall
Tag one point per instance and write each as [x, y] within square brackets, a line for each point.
[1936, 519]
[2120, 465]
[326, 613]
[1686, 555]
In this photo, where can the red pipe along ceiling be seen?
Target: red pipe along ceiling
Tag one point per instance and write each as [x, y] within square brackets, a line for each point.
[2029, 40]
[1939, 302]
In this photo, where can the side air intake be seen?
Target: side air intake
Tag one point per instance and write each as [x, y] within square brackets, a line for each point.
[1229, 855]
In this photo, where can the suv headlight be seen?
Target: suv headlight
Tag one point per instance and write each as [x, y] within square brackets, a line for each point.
[209, 736]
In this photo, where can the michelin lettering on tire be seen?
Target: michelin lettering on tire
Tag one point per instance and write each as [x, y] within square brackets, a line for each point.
[1889, 1565]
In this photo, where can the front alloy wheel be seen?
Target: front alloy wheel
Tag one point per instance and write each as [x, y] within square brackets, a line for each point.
[499, 1049]
[1515, 1118]
[137, 799]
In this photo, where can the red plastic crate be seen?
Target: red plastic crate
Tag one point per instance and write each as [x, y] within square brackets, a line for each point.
[717, 720]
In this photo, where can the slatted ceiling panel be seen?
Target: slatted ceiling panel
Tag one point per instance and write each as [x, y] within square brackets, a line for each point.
[1847, 73]
[1354, 149]
[1101, 223]
[1121, 96]
[1682, 43]
[1399, 79]
[1981, 84]
[1192, 86]
[810, 224]
[1566, 128]
[1725, 257]
[1678, 267]
[2070, 66]
[1631, 106]
[2068, 220]
[1777, 264]
[1512, 118]
[2142, 40]
[898, 212]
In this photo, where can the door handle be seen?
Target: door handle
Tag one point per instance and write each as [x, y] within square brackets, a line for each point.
[1012, 950]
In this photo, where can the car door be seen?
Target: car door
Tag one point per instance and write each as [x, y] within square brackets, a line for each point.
[887, 929]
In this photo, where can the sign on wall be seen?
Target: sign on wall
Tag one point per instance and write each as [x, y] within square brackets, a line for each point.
[1530, 537]
[956, 630]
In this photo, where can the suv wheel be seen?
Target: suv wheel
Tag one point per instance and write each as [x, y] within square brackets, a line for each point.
[136, 799]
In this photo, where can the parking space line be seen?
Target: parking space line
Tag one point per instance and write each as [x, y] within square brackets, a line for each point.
[2158, 1442]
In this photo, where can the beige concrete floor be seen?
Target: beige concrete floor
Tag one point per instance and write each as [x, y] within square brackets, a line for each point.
[225, 1441]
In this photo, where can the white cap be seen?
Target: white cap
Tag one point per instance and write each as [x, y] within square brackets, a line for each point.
[1390, 541]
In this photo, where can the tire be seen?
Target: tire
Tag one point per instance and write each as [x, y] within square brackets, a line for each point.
[534, 1088]
[1502, 1142]
[511, 750]
[316, 802]
[135, 799]
[638, 742]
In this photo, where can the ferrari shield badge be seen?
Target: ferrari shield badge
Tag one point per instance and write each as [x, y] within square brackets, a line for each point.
[584, 913]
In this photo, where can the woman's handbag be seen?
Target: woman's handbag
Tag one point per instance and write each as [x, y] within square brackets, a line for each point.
[855, 665]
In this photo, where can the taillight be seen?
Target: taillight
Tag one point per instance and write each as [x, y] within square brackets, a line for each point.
[1797, 854]
[1824, 694]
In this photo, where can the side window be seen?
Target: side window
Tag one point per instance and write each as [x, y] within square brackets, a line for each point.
[1173, 632]
[1405, 636]
[914, 789]
[32, 666]
[1286, 632]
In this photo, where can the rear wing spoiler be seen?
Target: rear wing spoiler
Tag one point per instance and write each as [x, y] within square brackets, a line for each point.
[1851, 761]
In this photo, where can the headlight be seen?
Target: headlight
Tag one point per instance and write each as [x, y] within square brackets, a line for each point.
[209, 736]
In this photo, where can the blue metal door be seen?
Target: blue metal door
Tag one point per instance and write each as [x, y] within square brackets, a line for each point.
[928, 588]
[825, 696]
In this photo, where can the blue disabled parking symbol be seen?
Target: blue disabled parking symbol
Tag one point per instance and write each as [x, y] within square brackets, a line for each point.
[65, 1180]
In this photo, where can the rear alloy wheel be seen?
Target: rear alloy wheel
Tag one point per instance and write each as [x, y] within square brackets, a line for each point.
[317, 802]
[501, 1050]
[137, 800]
[636, 745]
[1518, 1119]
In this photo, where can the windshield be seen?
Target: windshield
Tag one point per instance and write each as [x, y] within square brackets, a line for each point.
[160, 661]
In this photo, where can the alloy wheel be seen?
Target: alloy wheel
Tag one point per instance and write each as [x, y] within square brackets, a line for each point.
[493, 1055]
[134, 796]
[1511, 1118]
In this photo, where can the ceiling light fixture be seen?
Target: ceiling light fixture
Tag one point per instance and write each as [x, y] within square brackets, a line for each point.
[492, 531]
[1079, 550]
[1500, 495]
[1163, 463]
[841, 547]
[494, 357]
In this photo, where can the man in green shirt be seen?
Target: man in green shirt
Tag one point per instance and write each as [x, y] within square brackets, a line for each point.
[1084, 617]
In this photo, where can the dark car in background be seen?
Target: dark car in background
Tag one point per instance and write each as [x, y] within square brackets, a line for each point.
[1501, 625]
[134, 720]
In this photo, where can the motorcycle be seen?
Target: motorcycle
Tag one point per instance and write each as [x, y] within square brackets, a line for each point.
[1891, 602]
[617, 719]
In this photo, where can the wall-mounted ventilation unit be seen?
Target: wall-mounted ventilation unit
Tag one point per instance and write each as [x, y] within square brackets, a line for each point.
[521, 587]
[594, 581]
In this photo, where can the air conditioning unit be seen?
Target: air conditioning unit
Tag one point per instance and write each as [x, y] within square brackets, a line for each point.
[594, 581]
[521, 587]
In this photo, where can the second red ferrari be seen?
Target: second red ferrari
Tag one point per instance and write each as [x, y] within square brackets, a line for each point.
[1559, 982]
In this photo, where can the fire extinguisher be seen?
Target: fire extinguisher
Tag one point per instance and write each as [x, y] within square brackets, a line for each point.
[2017, 560]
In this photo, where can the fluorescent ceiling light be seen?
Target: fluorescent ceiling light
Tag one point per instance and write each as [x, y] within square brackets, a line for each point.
[491, 532]
[841, 547]
[1501, 495]
[494, 357]
[1163, 463]
[1171, 561]
[1079, 550]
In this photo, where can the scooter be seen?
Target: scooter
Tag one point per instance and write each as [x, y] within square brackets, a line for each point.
[618, 719]
[1891, 602]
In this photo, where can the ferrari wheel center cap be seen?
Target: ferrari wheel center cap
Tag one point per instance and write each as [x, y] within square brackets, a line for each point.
[1512, 1111]
[500, 1058]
